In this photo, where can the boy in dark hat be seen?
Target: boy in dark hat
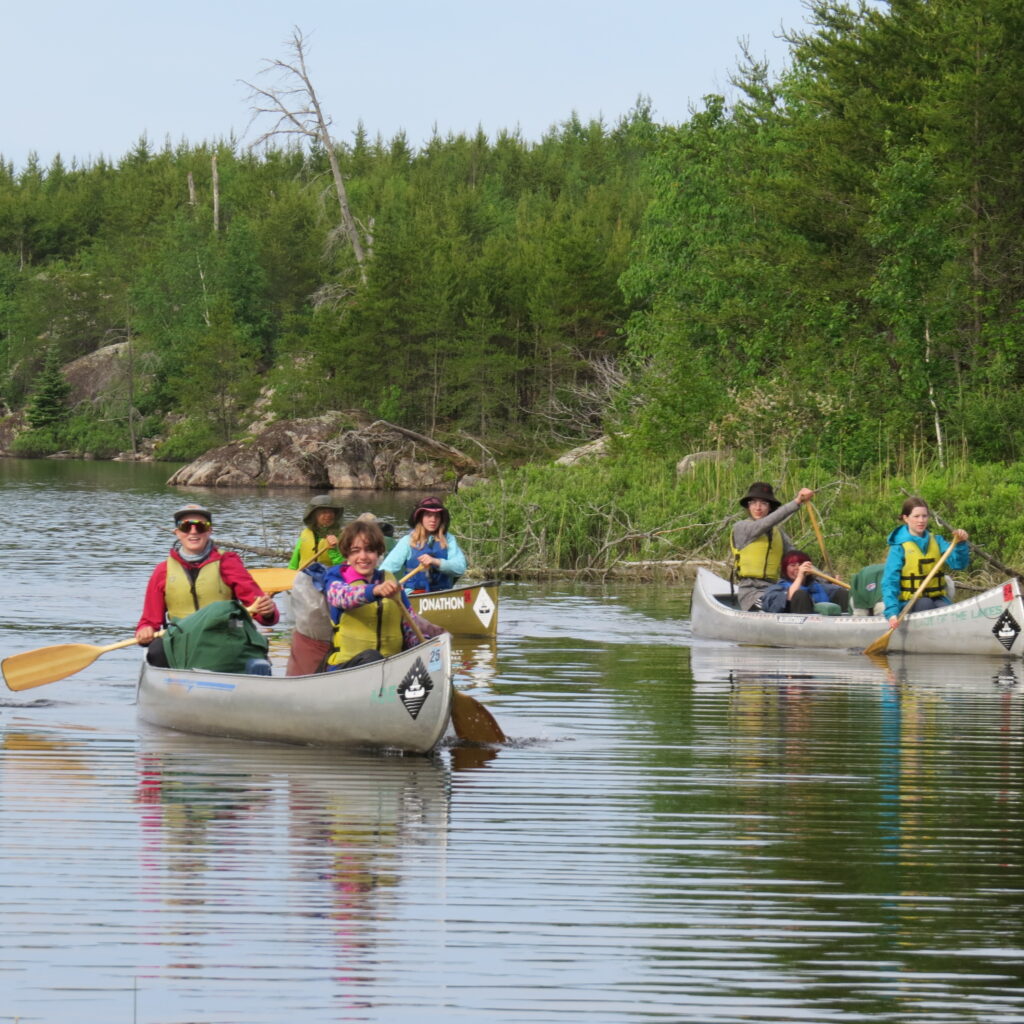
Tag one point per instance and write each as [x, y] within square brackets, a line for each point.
[758, 543]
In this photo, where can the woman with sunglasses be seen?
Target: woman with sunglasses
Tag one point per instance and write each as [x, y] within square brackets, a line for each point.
[195, 574]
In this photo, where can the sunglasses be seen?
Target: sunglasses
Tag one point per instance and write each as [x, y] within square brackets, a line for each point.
[188, 525]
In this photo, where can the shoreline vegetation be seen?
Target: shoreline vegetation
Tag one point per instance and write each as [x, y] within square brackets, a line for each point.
[604, 519]
[820, 278]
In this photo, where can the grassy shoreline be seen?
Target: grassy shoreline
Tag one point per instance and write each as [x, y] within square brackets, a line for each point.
[595, 518]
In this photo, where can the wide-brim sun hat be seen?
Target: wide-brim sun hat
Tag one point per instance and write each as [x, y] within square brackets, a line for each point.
[760, 492]
[323, 501]
[430, 505]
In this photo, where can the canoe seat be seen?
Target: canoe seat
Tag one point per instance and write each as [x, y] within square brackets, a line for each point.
[827, 608]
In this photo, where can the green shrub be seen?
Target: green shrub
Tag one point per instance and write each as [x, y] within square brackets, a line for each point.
[85, 434]
[187, 440]
[36, 444]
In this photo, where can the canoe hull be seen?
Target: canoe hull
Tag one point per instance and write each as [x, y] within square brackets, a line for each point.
[463, 611]
[401, 703]
[987, 624]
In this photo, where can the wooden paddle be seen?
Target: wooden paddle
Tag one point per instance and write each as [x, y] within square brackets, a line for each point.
[882, 643]
[277, 580]
[471, 720]
[831, 579]
[821, 541]
[48, 664]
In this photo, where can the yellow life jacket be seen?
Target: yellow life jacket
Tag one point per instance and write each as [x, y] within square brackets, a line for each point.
[376, 624]
[917, 565]
[308, 544]
[183, 595]
[761, 559]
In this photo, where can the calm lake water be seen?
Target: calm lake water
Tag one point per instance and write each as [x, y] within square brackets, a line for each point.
[677, 830]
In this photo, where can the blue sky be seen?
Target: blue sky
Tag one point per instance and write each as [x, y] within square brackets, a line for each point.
[88, 77]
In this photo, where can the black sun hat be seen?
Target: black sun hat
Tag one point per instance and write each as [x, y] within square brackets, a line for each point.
[760, 492]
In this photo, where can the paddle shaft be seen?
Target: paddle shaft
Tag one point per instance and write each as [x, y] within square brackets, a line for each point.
[831, 579]
[821, 540]
[317, 552]
[407, 615]
[882, 642]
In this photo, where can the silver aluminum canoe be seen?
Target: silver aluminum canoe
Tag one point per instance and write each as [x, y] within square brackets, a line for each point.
[463, 611]
[401, 703]
[988, 624]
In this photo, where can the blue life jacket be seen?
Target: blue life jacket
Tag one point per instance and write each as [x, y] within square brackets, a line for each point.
[428, 579]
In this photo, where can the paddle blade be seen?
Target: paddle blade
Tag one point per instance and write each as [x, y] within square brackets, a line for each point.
[473, 722]
[273, 581]
[47, 665]
[879, 646]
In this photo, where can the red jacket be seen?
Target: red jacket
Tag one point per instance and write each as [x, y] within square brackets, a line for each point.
[232, 572]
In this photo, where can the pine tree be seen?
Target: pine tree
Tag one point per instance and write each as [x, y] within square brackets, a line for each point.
[48, 406]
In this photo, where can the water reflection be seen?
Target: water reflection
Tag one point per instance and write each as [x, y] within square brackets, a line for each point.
[348, 834]
[677, 832]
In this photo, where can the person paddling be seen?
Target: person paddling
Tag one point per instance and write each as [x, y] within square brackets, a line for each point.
[364, 602]
[195, 574]
[429, 548]
[319, 537]
[758, 543]
[912, 553]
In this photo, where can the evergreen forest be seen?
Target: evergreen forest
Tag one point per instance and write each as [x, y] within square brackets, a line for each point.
[824, 275]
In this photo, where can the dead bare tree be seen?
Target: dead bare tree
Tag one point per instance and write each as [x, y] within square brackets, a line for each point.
[295, 104]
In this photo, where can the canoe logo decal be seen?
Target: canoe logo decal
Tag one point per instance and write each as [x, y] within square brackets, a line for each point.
[415, 687]
[1006, 629]
[484, 607]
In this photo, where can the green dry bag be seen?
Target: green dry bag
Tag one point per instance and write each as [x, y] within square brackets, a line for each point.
[220, 637]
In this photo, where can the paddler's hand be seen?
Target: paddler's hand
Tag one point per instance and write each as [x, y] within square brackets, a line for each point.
[894, 621]
[428, 560]
[960, 535]
[805, 495]
[388, 588]
[332, 540]
[144, 635]
[262, 606]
